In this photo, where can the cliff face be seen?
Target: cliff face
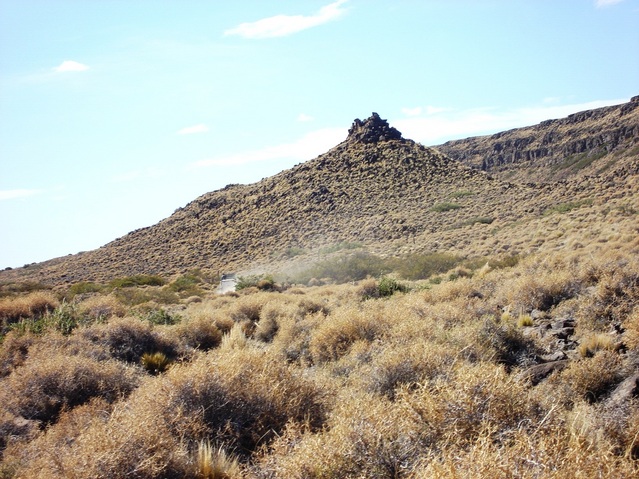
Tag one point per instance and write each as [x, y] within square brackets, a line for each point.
[582, 143]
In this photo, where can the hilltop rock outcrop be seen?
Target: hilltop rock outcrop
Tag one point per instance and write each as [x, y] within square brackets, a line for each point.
[372, 130]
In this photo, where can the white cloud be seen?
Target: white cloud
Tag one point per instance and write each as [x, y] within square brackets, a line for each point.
[309, 146]
[70, 66]
[283, 25]
[20, 193]
[189, 130]
[303, 117]
[606, 3]
[451, 124]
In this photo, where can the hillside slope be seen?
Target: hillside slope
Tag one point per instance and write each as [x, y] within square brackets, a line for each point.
[389, 194]
[584, 143]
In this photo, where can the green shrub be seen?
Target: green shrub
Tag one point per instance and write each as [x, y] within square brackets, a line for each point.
[443, 207]
[155, 363]
[388, 286]
[349, 267]
[137, 280]
[423, 266]
[83, 287]
[569, 206]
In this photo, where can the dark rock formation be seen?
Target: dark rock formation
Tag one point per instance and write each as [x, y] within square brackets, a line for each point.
[372, 130]
[553, 149]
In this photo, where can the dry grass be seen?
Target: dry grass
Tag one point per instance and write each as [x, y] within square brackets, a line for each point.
[27, 307]
[326, 385]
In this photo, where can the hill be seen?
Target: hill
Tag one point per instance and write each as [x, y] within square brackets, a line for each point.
[585, 143]
[392, 196]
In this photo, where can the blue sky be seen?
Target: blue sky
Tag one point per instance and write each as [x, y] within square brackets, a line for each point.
[115, 113]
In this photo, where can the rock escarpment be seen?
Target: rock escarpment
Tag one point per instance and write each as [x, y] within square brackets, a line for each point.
[582, 143]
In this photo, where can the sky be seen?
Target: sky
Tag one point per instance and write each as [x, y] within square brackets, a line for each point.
[115, 113]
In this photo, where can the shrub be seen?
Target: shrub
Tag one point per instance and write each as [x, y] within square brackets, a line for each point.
[29, 306]
[423, 266]
[350, 267]
[155, 363]
[443, 207]
[389, 286]
[592, 378]
[198, 333]
[187, 285]
[333, 337]
[137, 280]
[127, 339]
[99, 308]
[50, 382]
[83, 287]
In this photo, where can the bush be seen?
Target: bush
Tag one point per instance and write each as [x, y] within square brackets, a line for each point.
[423, 266]
[137, 280]
[127, 339]
[51, 382]
[30, 306]
[443, 207]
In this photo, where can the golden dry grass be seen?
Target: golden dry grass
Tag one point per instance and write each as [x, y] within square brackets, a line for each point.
[325, 384]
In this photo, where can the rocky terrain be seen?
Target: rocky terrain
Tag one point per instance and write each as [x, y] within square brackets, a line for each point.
[584, 143]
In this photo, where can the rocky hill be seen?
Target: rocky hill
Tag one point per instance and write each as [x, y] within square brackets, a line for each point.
[391, 196]
[585, 143]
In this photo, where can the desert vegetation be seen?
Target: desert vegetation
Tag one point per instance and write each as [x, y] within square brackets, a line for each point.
[429, 366]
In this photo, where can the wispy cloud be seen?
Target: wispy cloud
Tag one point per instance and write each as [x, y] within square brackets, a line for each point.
[606, 3]
[70, 66]
[190, 130]
[283, 25]
[450, 124]
[19, 193]
[307, 147]
[303, 118]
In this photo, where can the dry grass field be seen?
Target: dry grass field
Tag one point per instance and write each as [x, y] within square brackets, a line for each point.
[527, 368]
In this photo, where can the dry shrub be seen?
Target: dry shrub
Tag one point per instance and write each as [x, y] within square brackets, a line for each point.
[589, 346]
[407, 365]
[50, 382]
[199, 333]
[101, 307]
[631, 334]
[248, 308]
[366, 436]
[540, 289]
[243, 398]
[613, 297]
[590, 378]
[334, 336]
[29, 306]
[550, 452]
[268, 326]
[474, 399]
[127, 339]
[13, 351]
[235, 339]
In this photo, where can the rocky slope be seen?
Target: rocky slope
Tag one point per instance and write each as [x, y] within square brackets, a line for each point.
[389, 194]
[584, 143]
